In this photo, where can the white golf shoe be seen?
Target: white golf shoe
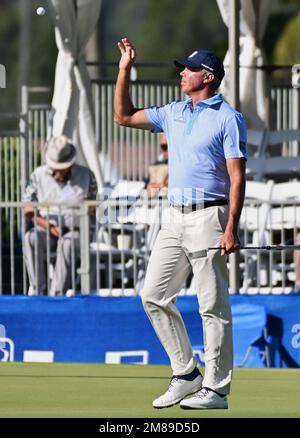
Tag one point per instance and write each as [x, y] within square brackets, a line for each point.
[180, 387]
[205, 399]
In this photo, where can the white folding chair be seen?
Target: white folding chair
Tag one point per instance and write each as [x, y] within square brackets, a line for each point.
[256, 143]
[151, 218]
[277, 154]
[256, 140]
[255, 213]
[253, 224]
[284, 221]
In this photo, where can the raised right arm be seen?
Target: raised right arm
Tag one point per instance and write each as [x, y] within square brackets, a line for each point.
[125, 113]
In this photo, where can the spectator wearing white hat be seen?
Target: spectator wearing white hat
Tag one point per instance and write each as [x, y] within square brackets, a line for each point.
[60, 180]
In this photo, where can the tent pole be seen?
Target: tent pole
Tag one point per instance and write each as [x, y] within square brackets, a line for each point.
[234, 53]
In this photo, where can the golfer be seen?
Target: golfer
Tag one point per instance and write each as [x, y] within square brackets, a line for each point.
[207, 154]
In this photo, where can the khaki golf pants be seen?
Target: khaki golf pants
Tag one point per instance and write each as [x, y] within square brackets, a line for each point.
[36, 238]
[176, 251]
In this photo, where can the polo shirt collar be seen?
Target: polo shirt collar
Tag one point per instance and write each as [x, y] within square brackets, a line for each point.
[211, 101]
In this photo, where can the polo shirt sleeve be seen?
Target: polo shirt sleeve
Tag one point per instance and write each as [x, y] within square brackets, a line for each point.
[157, 117]
[235, 137]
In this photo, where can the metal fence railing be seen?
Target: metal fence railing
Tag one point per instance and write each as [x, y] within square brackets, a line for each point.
[270, 223]
[116, 239]
[285, 103]
[126, 153]
[129, 152]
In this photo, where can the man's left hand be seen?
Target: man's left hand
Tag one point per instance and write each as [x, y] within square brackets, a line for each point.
[230, 242]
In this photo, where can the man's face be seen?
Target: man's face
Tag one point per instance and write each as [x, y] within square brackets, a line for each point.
[61, 175]
[193, 79]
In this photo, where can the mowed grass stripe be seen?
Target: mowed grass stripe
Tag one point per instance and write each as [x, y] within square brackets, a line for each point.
[106, 391]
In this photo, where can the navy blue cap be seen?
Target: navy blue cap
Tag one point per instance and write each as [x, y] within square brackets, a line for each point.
[203, 59]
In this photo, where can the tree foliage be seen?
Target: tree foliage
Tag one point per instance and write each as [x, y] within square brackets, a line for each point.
[9, 25]
[162, 30]
[287, 49]
[42, 54]
[175, 28]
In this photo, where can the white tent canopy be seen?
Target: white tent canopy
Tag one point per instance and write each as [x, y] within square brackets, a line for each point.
[254, 15]
[72, 100]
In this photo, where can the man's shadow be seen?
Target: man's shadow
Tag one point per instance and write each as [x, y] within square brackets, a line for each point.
[279, 355]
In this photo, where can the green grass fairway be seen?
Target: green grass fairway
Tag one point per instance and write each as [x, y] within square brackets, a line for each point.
[106, 391]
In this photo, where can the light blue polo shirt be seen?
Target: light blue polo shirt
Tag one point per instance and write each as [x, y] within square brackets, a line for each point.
[200, 139]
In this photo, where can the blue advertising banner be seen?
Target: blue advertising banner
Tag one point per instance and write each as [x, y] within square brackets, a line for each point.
[117, 330]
